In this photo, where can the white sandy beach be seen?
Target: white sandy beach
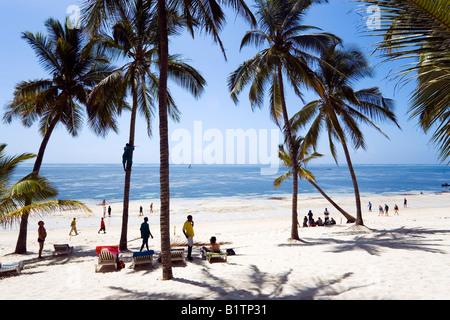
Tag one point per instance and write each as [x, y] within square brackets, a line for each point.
[394, 257]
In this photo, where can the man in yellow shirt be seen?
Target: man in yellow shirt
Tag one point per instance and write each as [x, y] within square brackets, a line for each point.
[188, 230]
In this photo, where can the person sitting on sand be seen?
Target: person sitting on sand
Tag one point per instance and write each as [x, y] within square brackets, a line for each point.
[305, 222]
[215, 247]
[319, 222]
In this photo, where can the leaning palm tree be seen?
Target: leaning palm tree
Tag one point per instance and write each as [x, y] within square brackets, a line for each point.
[303, 156]
[340, 108]
[418, 31]
[285, 57]
[198, 14]
[135, 39]
[74, 68]
[30, 195]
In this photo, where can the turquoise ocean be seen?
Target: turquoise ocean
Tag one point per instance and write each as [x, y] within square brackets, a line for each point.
[95, 182]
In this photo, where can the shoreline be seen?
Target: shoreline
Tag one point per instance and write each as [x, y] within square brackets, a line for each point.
[220, 209]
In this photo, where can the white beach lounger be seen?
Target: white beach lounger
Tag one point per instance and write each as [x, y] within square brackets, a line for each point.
[62, 249]
[142, 258]
[105, 258]
[210, 255]
[177, 255]
[13, 267]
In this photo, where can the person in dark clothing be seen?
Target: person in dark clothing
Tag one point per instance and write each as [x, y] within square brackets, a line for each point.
[305, 221]
[310, 216]
[127, 155]
[145, 233]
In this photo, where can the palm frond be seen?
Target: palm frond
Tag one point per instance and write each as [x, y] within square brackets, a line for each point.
[418, 31]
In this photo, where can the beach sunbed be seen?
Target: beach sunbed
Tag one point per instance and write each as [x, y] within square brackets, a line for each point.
[142, 258]
[177, 254]
[105, 258]
[210, 255]
[13, 267]
[62, 249]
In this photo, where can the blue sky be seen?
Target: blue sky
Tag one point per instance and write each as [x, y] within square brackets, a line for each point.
[215, 110]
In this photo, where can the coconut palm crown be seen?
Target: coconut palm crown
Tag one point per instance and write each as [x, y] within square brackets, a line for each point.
[341, 109]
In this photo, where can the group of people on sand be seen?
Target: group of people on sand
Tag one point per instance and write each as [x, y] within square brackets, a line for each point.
[188, 231]
[310, 222]
[384, 210]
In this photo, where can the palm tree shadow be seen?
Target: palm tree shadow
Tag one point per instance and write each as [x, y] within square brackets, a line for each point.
[260, 286]
[374, 240]
[265, 286]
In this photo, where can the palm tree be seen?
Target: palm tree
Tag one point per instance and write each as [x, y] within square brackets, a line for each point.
[198, 14]
[284, 56]
[135, 39]
[74, 68]
[419, 31]
[303, 157]
[340, 108]
[29, 195]
[207, 15]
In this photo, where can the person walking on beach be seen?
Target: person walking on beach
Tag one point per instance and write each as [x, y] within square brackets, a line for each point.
[370, 206]
[109, 211]
[73, 224]
[405, 203]
[188, 230]
[386, 209]
[145, 233]
[42, 234]
[380, 210]
[151, 207]
[396, 210]
[102, 226]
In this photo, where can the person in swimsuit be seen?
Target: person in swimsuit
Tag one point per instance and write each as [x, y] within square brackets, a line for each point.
[42, 234]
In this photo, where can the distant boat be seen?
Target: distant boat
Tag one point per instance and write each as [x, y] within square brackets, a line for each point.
[446, 185]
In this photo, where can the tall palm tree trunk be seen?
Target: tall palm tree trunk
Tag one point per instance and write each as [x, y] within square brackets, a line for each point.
[21, 245]
[359, 219]
[126, 191]
[288, 134]
[164, 143]
[334, 204]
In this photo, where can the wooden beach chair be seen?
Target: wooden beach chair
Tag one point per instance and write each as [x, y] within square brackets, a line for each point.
[62, 249]
[177, 254]
[210, 255]
[105, 258]
[142, 258]
[13, 267]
